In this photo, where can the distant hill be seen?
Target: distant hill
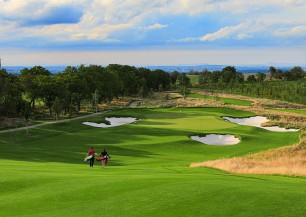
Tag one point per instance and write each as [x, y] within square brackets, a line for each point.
[171, 68]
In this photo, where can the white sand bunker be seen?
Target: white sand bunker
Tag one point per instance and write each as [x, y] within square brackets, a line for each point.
[114, 122]
[217, 139]
[256, 122]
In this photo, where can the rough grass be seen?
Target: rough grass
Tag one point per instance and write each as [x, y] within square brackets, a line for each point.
[225, 100]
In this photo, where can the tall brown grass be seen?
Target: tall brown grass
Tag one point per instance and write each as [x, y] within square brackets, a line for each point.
[284, 161]
[191, 102]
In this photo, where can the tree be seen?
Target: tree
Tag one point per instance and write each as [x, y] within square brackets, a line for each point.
[184, 80]
[110, 86]
[279, 74]
[27, 111]
[127, 75]
[239, 77]
[184, 91]
[50, 88]
[184, 84]
[228, 74]
[272, 71]
[28, 81]
[174, 75]
[251, 79]
[163, 79]
[294, 74]
[205, 77]
[10, 93]
[215, 76]
[57, 108]
[77, 87]
[261, 76]
[95, 100]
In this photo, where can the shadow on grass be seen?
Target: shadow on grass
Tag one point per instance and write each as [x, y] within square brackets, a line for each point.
[70, 155]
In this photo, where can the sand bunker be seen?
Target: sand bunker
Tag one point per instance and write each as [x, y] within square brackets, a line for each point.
[256, 122]
[217, 139]
[114, 122]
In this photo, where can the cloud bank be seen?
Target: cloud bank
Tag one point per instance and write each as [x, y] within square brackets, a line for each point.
[151, 24]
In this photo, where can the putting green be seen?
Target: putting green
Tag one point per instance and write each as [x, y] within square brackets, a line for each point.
[43, 174]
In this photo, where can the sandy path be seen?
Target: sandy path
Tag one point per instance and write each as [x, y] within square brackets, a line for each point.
[51, 122]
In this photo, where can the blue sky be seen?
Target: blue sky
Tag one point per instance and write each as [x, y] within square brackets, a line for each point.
[152, 32]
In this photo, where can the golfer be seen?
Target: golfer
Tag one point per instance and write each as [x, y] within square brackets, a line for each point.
[105, 158]
[91, 152]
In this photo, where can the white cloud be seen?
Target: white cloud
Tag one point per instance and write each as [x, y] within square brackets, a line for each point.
[191, 7]
[243, 6]
[223, 32]
[188, 39]
[292, 32]
[242, 36]
[43, 11]
[101, 19]
[156, 26]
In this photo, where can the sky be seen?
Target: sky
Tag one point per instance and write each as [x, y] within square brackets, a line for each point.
[153, 32]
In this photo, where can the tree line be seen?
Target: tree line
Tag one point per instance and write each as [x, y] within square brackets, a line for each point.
[94, 84]
[65, 91]
[229, 74]
[288, 85]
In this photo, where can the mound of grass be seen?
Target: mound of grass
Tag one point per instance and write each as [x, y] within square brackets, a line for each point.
[43, 174]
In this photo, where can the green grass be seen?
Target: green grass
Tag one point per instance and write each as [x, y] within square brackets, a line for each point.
[43, 174]
[227, 101]
[297, 111]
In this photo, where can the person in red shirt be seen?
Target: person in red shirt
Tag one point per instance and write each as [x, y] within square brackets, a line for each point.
[91, 153]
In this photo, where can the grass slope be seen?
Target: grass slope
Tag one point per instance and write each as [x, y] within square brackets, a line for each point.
[148, 175]
[227, 101]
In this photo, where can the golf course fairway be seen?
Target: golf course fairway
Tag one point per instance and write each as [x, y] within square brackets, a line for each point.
[43, 174]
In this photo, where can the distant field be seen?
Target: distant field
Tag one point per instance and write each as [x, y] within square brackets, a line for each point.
[43, 174]
[194, 80]
[228, 101]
